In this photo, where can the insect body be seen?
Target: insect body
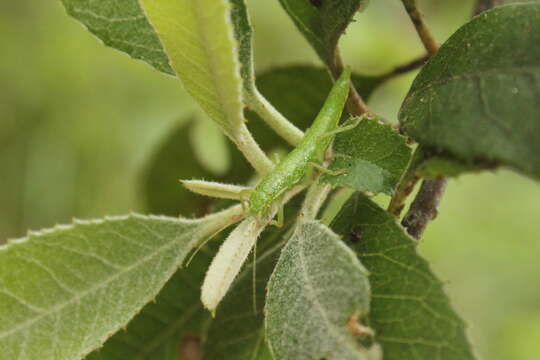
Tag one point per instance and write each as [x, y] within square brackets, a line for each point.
[291, 170]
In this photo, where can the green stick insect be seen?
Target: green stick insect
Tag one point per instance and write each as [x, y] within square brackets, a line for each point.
[273, 190]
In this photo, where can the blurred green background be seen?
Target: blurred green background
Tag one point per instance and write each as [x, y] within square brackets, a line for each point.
[78, 121]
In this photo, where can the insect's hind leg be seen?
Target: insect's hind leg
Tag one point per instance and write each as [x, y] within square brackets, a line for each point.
[324, 170]
[344, 128]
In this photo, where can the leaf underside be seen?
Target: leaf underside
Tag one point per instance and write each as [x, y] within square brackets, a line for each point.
[478, 98]
[198, 37]
[65, 291]
[317, 286]
[410, 312]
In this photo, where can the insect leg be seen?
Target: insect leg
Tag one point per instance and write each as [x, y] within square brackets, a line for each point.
[280, 217]
[344, 128]
[324, 170]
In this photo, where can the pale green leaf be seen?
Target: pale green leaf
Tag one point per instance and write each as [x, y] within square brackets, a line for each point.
[159, 331]
[123, 26]
[237, 332]
[478, 98]
[322, 22]
[374, 156]
[176, 316]
[317, 287]
[410, 313]
[198, 37]
[65, 291]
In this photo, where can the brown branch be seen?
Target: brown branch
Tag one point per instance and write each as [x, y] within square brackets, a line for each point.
[405, 68]
[407, 183]
[425, 206]
[355, 103]
[483, 5]
[422, 29]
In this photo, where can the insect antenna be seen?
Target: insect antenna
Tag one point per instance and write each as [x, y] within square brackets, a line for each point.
[201, 246]
[254, 279]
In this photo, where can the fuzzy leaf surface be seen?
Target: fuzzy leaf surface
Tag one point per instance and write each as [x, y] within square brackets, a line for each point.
[317, 286]
[478, 98]
[122, 25]
[198, 36]
[161, 328]
[323, 22]
[237, 332]
[65, 291]
[410, 312]
[177, 316]
[374, 155]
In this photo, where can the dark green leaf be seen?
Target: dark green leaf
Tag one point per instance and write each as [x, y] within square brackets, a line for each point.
[123, 26]
[317, 287]
[479, 97]
[323, 22]
[440, 165]
[374, 155]
[410, 313]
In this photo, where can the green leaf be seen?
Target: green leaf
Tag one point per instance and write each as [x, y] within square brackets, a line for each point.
[317, 286]
[440, 165]
[198, 37]
[374, 155]
[479, 97]
[410, 313]
[177, 315]
[237, 332]
[298, 92]
[176, 159]
[123, 26]
[65, 291]
[323, 22]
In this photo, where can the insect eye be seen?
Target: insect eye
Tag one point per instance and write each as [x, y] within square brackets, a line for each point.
[316, 3]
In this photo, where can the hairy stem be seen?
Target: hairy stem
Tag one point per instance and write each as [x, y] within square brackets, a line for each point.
[274, 119]
[422, 29]
[483, 5]
[315, 197]
[425, 206]
[245, 142]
